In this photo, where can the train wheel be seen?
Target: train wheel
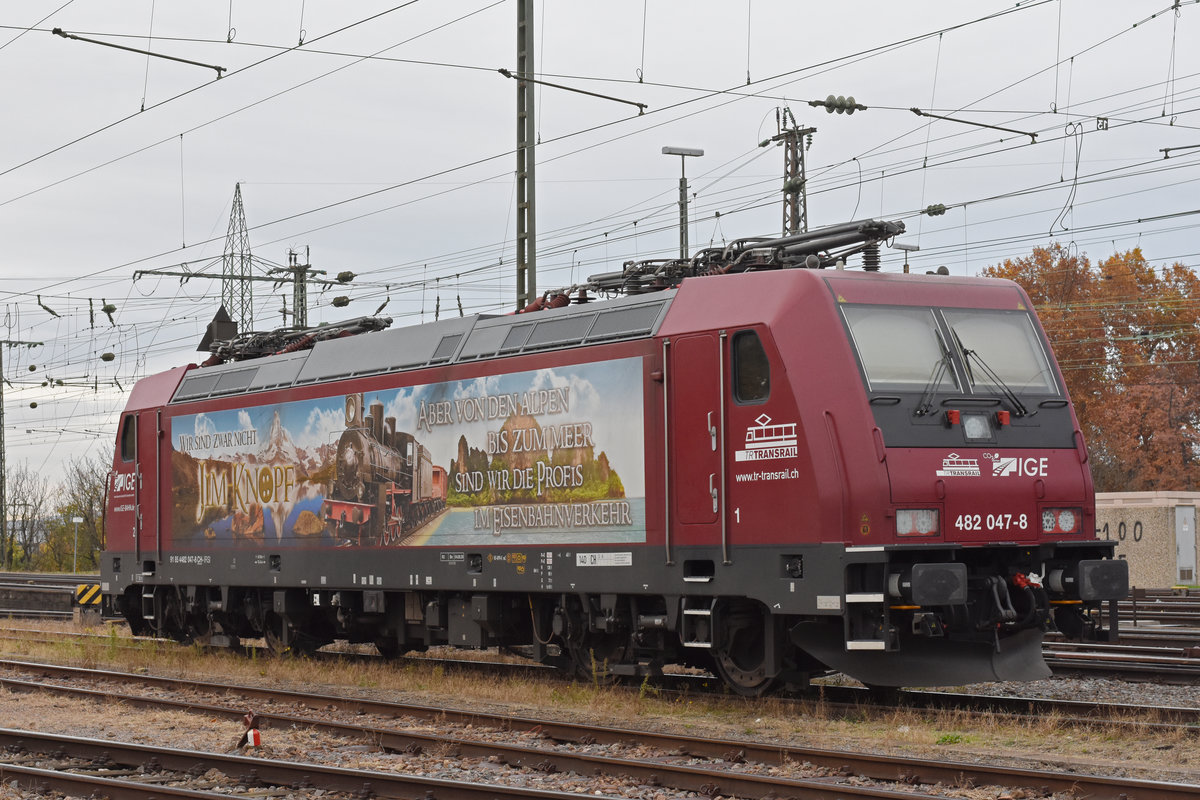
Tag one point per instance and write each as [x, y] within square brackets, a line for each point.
[206, 635]
[291, 643]
[129, 604]
[592, 656]
[174, 620]
[390, 647]
[591, 653]
[393, 531]
[740, 652]
[200, 630]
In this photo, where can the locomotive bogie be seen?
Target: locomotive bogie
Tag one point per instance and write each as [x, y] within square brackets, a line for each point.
[770, 475]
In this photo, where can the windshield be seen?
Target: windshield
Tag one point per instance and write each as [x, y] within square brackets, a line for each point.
[904, 348]
[1007, 344]
[900, 348]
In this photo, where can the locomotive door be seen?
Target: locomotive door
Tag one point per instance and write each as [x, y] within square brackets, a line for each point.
[148, 456]
[696, 434]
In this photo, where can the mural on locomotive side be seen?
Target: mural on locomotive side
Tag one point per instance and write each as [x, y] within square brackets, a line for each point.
[538, 457]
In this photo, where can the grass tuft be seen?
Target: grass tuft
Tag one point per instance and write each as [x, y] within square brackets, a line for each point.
[810, 721]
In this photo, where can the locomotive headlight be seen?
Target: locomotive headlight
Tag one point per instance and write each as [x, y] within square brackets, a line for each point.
[976, 426]
[917, 522]
[1061, 520]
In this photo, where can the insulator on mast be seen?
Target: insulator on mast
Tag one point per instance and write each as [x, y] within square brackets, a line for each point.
[871, 257]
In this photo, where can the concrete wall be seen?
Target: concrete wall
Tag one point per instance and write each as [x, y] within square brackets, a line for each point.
[1143, 525]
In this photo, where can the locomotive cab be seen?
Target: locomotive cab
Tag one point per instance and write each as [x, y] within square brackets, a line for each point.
[987, 538]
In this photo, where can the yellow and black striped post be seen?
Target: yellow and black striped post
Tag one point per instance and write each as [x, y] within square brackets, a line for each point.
[87, 594]
[87, 603]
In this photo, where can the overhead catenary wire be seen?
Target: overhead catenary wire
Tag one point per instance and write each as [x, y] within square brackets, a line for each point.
[190, 91]
[709, 92]
[149, 43]
[325, 207]
[763, 198]
[22, 31]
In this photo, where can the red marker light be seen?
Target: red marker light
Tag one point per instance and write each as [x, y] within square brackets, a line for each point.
[1003, 417]
[953, 416]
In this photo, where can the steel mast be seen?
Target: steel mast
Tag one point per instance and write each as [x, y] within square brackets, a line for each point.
[526, 134]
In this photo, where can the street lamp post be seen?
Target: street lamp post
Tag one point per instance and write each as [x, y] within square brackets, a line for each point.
[75, 560]
[907, 248]
[683, 153]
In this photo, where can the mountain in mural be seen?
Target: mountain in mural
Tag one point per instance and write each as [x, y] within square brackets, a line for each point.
[279, 447]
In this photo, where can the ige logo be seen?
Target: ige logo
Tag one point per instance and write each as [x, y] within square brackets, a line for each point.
[955, 466]
[766, 441]
[124, 482]
[1003, 466]
[1006, 466]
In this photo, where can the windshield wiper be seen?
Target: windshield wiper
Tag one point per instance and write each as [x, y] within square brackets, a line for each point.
[990, 374]
[925, 404]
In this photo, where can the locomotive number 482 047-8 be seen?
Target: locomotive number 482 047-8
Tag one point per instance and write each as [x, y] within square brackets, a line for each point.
[991, 522]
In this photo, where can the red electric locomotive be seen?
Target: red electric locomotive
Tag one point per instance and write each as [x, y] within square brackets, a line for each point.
[753, 460]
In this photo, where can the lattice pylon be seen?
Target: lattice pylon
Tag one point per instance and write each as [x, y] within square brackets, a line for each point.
[237, 293]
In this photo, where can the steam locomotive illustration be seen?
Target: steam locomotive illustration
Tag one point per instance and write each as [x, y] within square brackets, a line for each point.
[386, 484]
[754, 461]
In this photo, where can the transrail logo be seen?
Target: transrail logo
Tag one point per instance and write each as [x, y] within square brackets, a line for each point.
[955, 466]
[766, 441]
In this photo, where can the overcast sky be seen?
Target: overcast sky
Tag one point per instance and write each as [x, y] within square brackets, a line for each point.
[384, 145]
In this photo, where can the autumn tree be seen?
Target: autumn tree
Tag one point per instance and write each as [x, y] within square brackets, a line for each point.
[29, 501]
[42, 534]
[1127, 337]
[82, 496]
[53, 553]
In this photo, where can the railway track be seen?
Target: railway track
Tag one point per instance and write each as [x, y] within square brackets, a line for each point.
[1160, 640]
[119, 770]
[45, 578]
[1136, 662]
[849, 699]
[1162, 606]
[37, 595]
[541, 746]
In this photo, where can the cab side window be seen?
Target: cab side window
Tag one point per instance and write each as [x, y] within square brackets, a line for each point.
[751, 370]
[128, 432]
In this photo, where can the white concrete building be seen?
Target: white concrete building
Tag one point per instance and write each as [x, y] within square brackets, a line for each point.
[1155, 532]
